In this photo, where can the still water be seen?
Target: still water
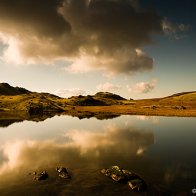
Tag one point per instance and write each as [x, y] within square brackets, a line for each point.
[162, 150]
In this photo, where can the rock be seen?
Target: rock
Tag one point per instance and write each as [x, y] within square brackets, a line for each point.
[117, 177]
[63, 173]
[118, 174]
[136, 184]
[129, 175]
[114, 172]
[34, 109]
[40, 176]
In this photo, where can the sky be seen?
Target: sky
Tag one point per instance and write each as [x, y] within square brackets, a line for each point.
[137, 49]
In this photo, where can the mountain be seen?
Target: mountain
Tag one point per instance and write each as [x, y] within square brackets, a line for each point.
[6, 89]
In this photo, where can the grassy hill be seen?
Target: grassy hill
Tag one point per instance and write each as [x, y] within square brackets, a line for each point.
[177, 101]
[14, 99]
[20, 99]
[31, 103]
[183, 97]
[108, 95]
[99, 99]
[85, 101]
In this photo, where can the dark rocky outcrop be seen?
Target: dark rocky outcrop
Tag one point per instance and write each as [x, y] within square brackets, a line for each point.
[121, 175]
[42, 107]
[6, 89]
[40, 176]
[63, 173]
[99, 99]
[108, 95]
[34, 109]
[88, 101]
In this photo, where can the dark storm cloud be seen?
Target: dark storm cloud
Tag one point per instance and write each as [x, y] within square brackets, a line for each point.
[91, 34]
[116, 23]
[41, 17]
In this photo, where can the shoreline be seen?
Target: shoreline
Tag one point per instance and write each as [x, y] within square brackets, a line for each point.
[128, 110]
[93, 111]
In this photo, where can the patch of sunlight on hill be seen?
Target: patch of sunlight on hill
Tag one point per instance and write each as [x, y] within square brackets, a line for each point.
[186, 97]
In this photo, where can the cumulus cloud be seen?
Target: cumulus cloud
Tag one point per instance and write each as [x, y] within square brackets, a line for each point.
[107, 87]
[143, 87]
[121, 61]
[70, 92]
[91, 35]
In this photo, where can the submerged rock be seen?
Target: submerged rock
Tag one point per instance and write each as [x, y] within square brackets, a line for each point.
[114, 172]
[63, 173]
[136, 184]
[118, 174]
[129, 175]
[40, 176]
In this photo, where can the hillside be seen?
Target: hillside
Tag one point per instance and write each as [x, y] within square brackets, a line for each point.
[108, 95]
[184, 96]
[6, 89]
[99, 99]
[20, 99]
[176, 101]
[16, 99]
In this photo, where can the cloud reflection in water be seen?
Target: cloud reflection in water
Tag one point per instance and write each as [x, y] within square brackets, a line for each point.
[80, 147]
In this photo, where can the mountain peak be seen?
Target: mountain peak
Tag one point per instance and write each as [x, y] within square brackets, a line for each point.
[4, 84]
[109, 95]
[6, 89]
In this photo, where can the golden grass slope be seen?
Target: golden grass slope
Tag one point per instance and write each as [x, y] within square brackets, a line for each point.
[181, 104]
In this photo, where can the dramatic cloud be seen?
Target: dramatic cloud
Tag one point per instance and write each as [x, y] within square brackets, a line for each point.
[70, 92]
[107, 87]
[121, 61]
[143, 87]
[104, 35]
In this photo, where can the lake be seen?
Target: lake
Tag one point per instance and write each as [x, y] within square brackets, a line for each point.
[162, 150]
